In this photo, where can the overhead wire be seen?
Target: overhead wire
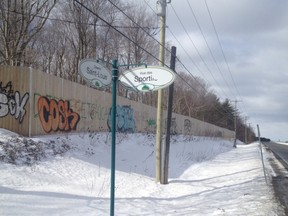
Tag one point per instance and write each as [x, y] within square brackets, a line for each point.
[206, 42]
[141, 27]
[191, 59]
[198, 68]
[155, 40]
[124, 35]
[121, 33]
[196, 49]
[107, 24]
[196, 91]
[222, 51]
[73, 22]
[150, 7]
[117, 30]
[200, 54]
[179, 44]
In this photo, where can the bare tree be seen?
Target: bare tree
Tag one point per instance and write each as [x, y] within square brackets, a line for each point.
[53, 48]
[139, 26]
[190, 95]
[87, 36]
[20, 22]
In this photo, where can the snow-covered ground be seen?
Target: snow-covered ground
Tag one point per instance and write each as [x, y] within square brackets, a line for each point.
[70, 175]
[283, 143]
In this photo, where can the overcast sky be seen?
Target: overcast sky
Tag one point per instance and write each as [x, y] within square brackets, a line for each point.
[254, 38]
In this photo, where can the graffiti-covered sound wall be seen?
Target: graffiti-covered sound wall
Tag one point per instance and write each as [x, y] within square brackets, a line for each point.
[34, 103]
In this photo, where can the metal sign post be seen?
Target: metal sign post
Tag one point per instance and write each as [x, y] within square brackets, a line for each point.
[261, 152]
[113, 129]
[138, 79]
[96, 75]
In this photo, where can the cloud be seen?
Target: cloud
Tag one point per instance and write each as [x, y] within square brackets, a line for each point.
[248, 17]
[253, 35]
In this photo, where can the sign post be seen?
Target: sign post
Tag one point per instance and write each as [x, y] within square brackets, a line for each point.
[113, 128]
[143, 79]
[96, 75]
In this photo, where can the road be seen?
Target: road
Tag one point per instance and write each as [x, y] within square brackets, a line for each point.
[280, 181]
[280, 151]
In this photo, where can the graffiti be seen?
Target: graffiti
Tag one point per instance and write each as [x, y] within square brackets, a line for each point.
[6, 89]
[125, 121]
[12, 103]
[151, 125]
[56, 115]
[187, 126]
[90, 111]
[173, 127]
[35, 101]
[96, 111]
[151, 122]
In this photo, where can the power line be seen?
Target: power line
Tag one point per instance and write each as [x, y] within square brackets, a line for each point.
[140, 27]
[190, 58]
[210, 51]
[222, 51]
[196, 49]
[185, 52]
[183, 79]
[121, 32]
[73, 22]
[199, 53]
[113, 27]
[150, 7]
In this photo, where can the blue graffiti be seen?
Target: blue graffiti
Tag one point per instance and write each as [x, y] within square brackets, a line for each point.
[125, 121]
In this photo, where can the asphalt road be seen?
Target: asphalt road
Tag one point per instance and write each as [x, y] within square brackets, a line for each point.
[280, 151]
[280, 181]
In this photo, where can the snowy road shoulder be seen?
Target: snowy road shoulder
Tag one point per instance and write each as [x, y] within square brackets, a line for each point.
[231, 184]
[207, 177]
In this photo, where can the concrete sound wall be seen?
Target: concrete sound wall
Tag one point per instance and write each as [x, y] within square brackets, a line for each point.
[35, 103]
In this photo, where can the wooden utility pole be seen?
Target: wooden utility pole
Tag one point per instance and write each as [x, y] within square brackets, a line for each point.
[162, 15]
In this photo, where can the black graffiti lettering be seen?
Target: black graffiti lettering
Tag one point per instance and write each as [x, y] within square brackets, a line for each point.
[6, 89]
[13, 105]
[56, 115]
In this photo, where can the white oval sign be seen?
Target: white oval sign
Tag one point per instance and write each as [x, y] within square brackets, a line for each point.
[146, 79]
[94, 73]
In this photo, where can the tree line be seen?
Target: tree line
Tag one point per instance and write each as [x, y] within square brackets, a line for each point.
[53, 36]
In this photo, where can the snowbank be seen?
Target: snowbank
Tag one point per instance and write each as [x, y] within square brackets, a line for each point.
[206, 177]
